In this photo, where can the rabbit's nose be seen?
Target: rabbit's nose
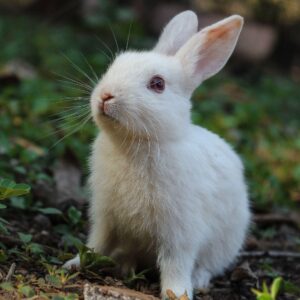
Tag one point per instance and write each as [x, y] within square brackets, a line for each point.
[106, 96]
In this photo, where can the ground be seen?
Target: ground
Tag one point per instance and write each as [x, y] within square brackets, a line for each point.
[271, 251]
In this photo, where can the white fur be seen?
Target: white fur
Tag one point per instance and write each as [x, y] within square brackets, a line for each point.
[163, 190]
[177, 32]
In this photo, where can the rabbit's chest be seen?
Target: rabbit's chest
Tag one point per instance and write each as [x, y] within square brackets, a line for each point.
[133, 198]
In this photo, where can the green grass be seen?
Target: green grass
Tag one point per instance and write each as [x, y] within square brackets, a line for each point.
[259, 119]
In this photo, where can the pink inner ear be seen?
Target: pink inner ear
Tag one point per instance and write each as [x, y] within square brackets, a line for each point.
[207, 52]
[221, 32]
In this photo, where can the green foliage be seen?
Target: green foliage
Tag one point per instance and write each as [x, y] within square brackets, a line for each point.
[267, 294]
[58, 277]
[261, 121]
[74, 215]
[133, 277]
[26, 290]
[50, 211]
[3, 224]
[25, 238]
[291, 288]
[3, 256]
[7, 286]
[90, 259]
[29, 246]
[9, 189]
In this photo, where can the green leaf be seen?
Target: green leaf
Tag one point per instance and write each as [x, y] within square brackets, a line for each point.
[4, 221]
[70, 240]
[7, 286]
[256, 292]
[264, 297]
[265, 288]
[2, 206]
[27, 291]
[3, 228]
[276, 287]
[19, 202]
[35, 248]
[50, 211]
[90, 259]
[3, 256]
[9, 189]
[25, 238]
[53, 280]
[74, 215]
[133, 277]
[291, 288]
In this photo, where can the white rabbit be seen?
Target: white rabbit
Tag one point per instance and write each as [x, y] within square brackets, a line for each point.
[166, 191]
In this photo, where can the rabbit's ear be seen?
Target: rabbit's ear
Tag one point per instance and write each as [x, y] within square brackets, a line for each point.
[177, 32]
[205, 54]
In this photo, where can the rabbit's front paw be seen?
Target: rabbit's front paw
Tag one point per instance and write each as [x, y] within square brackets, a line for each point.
[73, 263]
[201, 278]
[176, 293]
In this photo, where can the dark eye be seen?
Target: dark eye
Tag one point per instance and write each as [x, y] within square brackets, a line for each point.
[157, 84]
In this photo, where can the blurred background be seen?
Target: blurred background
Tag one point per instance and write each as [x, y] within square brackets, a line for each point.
[51, 49]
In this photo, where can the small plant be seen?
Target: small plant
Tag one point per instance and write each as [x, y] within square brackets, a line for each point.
[28, 245]
[90, 259]
[133, 277]
[9, 189]
[266, 293]
[58, 277]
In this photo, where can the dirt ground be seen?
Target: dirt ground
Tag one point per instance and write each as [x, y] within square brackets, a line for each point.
[271, 250]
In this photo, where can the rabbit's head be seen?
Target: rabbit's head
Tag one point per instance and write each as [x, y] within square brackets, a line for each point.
[147, 93]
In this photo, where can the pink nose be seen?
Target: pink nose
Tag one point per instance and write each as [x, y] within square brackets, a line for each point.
[105, 97]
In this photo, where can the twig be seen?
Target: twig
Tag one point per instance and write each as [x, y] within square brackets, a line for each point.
[271, 253]
[276, 218]
[10, 272]
[113, 293]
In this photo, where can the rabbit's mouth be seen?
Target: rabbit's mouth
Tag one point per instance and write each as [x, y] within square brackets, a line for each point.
[108, 115]
[107, 109]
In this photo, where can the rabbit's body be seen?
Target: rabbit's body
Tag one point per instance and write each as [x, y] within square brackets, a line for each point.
[163, 190]
[188, 194]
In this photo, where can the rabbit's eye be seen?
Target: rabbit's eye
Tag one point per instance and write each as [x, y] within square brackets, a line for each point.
[157, 84]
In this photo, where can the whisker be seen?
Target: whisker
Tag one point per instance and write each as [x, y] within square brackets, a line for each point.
[115, 39]
[70, 108]
[107, 47]
[75, 82]
[76, 67]
[73, 99]
[90, 67]
[103, 52]
[128, 36]
[73, 131]
[61, 126]
[74, 115]
[71, 85]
